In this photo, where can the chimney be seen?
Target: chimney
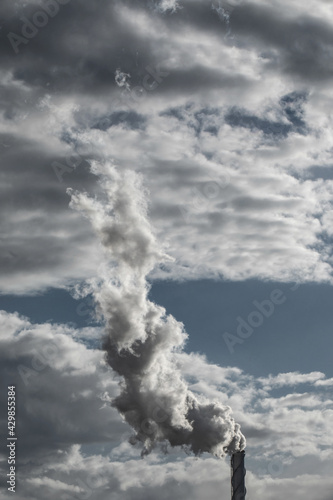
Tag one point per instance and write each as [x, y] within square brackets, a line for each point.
[238, 472]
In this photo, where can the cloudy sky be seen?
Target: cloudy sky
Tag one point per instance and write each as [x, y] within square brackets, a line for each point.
[188, 143]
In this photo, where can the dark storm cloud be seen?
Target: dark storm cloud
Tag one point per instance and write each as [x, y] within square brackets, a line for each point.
[36, 183]
[199, 16]
[305, 44]
[35, 208]
[202, 79]
[80, 48]
[176, 134]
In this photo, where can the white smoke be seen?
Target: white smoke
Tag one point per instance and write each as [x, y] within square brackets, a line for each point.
[168, 5]
[223, 14]
[140, 338]
[121, 79]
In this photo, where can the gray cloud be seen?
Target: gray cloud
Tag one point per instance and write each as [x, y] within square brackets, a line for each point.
[230, 106]
[60, 386]
[73, 444]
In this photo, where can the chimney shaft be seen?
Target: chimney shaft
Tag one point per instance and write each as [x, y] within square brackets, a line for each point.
[238, 472]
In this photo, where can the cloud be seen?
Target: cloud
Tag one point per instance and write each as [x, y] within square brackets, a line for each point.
[326, 382]
[232, 153]
[57, 379]
[73, 444]
[291, 379]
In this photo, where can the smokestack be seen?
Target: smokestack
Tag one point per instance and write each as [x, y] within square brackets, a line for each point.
[238, 472]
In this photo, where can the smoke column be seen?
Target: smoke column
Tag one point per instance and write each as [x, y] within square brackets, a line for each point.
[140, 338]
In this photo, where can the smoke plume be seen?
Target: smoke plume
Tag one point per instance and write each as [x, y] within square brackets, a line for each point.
[140, 338]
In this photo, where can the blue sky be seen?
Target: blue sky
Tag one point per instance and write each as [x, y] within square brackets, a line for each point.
[297, 337]
[187, 145]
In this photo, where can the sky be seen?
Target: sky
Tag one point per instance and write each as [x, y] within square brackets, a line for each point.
[166, 167]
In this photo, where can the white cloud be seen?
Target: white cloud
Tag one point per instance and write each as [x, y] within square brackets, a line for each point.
[291, 379]
[323, 383]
